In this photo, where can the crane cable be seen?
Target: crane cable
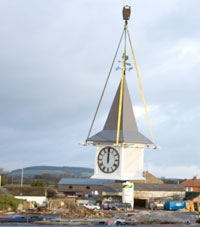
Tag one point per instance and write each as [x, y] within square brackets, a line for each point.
[100, 100]
[140, 85]
[121, 88]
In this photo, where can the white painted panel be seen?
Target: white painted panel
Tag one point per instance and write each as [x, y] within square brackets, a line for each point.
[38, 199]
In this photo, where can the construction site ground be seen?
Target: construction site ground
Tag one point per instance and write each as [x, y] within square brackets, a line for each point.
[82, 215]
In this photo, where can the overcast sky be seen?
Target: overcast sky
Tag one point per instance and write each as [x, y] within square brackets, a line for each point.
[54, 59]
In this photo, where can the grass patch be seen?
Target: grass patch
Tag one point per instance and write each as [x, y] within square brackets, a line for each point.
[8, 202]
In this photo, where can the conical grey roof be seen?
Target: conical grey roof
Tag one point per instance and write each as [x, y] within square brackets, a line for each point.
[128, 129]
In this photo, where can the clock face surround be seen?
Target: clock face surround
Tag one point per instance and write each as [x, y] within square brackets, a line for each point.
[108, 159]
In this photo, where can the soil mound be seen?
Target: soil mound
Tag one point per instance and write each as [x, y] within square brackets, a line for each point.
[83, 212]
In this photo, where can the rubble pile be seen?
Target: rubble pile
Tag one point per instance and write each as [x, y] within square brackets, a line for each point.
[83, 212]
[163, 217]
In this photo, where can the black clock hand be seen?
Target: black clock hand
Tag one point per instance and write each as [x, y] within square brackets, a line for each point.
[108, 157]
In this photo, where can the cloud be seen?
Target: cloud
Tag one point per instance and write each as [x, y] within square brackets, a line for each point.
[55, 57]
[175, 171]
[140, 110]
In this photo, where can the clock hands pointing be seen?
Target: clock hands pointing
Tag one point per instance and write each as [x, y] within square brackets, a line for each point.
[108, 157]
[108, 160]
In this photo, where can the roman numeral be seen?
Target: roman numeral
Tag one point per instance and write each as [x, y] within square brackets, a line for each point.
[100, 157]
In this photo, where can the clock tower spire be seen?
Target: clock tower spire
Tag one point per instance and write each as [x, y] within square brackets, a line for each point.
[125, 160]
[119, 145]
[128, 129]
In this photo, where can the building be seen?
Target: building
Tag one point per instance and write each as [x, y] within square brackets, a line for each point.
[148, 179]
[144, 194]
[30, 194]
[192, 185]
[94, 187]
[82, 188]
[100, 190]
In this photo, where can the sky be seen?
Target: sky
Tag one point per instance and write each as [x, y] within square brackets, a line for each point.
[54, 59]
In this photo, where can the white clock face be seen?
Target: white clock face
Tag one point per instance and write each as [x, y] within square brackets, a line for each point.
[108, 160]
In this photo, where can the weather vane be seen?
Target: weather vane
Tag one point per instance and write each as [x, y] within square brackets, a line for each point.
[128, 65]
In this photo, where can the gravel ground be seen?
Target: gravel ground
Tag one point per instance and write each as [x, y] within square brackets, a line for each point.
[139, 217]
[159, 217]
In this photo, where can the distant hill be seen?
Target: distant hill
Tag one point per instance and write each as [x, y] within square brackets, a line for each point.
[31, 172]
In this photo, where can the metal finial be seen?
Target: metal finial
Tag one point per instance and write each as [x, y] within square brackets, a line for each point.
[126, 12]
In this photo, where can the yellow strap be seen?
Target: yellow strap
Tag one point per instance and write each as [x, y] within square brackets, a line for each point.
[121, 92]
[145, 106]
[120, 107]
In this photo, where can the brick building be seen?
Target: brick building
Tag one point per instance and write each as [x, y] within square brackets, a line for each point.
[83, 188]
[148, 179]
[192, 185]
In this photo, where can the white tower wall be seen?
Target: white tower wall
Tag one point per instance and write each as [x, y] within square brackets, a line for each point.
[133, 159]
[130, 165]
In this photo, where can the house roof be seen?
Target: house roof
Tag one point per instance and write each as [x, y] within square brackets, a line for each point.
[128, 128]
[26, 191]
[159, 187]
[117, 187]
[191, 182]
[81, 181]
